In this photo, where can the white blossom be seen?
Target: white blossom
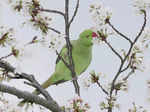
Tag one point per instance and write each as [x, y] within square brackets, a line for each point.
[45, 41]
[53, 42]
[6, 106]
[145, 38]
[138, 56]
[56, 42]
[6, 36]
[77, 104]
[86, 83]
[146, 33]
[105, 32]
[100, 14]
[138, 48]
[23, 52]
[141, 5]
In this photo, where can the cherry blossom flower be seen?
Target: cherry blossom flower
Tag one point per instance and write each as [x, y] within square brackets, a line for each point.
[137, 56]
[145, 38]
[57, 42]
[103, 32]
[141, 5]
[21, 52]
[77, 105]
[6, 106]
[6, 37]
[100, 13]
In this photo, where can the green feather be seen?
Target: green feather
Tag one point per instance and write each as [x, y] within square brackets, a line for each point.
[82, 55]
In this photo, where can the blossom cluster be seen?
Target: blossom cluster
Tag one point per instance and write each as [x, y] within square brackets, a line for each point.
[139, 49]
[6, 36]
[103, 32]
[77, 105]
[100, 14]
[31, 9]
[137, 108]
[57, 42]
[53, 42]
[145, 38]
[137, 57]
[105, 105]
[93, 78]
[141, 5]
[5, 106]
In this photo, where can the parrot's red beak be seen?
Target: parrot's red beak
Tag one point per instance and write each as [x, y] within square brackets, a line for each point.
[94, 35]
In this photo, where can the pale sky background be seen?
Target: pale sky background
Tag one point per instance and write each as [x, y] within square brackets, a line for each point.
[42, 62]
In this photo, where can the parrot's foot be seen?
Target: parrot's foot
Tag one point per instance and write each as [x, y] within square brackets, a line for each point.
[74, 78]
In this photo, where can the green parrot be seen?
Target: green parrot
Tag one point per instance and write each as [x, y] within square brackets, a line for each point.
[82, 56]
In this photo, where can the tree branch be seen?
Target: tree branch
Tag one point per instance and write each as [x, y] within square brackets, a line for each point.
[52, 11]
[102, 88]
[53, 29]
[114, 50]
[125, 58]
[49, 104]
[35, 84]
[30, 78]
[124, 69]
[7, 67]
[59, 56]
[69, 47]
[4, 57]
[75, 13]
[125, 37]
[129, 74]
[142, 29]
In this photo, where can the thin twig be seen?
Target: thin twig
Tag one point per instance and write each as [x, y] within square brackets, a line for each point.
[118, 32]
[53, 29]
[52, 11]
[68, 43]
[35, 84]
[102, 87]
[114, 50]
[143, 26]
[75, 13]
[74, 78]
[4, 57]
[60, 57]
[129, 74]
[130, 49]
[127, 65]
[125, 58]
[69, 47]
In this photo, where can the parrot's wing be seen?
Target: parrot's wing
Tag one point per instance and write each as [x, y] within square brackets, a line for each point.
[62, 53]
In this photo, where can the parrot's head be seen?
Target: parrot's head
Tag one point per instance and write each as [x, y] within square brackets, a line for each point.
[87, 36]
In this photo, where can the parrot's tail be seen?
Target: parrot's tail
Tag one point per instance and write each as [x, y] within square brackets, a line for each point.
[45, 85]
